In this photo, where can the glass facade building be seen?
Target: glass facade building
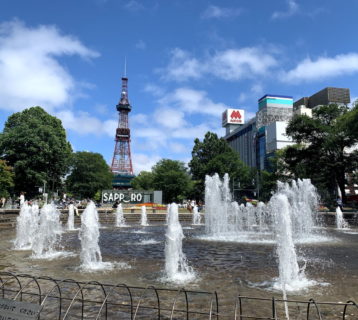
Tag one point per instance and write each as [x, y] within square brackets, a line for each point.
[251, 140]
[243, 141]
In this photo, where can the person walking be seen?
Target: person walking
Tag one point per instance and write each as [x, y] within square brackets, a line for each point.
[22, 199]
[3, 202]
[340, 203]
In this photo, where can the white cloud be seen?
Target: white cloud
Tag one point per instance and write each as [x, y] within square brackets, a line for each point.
[192, 101]
[235, 64]
[292, 9]
[30, 74]
[83, 123]
[154, 89]
[154, 137]
[169, 117]
[257, 89]
[323, 68]
[144, 162]
[182, 66]
[231, 64]
[178, 147]
[101, 109]
[139, 118]
[180, 116]
[193, 132]
[220, 12]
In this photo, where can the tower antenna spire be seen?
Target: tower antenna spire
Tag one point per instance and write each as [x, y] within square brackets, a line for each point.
[125, 66]
[122, 167]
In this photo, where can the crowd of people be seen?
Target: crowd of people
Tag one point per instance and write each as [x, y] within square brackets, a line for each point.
[190, 204]
[63, 203]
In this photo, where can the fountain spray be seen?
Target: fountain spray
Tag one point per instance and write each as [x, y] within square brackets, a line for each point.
[90, 255]
[341, 223]
[176, 265]
[120, 221]
[26, 226]
[196, 216]
[48, 235]
[144, 220]
[71, 217]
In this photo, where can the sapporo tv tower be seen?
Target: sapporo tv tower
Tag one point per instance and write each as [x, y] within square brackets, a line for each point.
[122, 167]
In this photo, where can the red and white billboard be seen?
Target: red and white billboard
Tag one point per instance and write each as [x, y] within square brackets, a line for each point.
[233, 116]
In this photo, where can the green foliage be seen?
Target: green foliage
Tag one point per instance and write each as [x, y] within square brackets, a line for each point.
[98, 196]
[143, 181]
[34, 143]
[268, 184]
[173, 179]
[89, 174]
[214, 155]
[6, 179]
[323, 141]
[349, 124]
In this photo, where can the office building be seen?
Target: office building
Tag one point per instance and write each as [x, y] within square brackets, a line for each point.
[261, 136]
[243, 140]
[326, 96]
[273, 108]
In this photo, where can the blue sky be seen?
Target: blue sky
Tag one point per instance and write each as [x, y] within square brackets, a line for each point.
[187, 61]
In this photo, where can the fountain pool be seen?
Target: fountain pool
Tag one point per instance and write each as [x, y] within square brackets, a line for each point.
[228, 267]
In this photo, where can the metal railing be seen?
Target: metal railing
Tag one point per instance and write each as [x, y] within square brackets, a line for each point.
[70, 299]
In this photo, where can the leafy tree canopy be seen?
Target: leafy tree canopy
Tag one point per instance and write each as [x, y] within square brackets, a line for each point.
[322, 144]
[89, 174]
[34, 143]
[214, 155]
[172, 177]
[143, 181]
[6, 179]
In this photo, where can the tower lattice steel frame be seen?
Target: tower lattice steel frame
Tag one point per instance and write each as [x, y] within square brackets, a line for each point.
[122, 159]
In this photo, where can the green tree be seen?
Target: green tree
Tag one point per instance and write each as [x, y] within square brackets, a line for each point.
[214, 155]
[348, 124]
[143, 181]
[172, 177]
[6, 179]
[89, 174]
[321, 153]
[34, 143]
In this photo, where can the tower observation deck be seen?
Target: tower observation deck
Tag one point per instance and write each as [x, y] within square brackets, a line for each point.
[122, 167]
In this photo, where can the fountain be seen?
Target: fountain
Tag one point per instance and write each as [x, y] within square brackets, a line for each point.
[176, 266]
[143, 217]
[90, 256]
[217, 206]
[291, 277]
[303, 199]
[167, 216]
[196, 216]
[120, 220]
[48, 234]
[71, 217]
[289, 217]
[341, 223]
[26, 227]
[251, 249]
[226, 220]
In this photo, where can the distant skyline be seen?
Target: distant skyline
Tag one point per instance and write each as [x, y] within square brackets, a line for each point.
[187, 61]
